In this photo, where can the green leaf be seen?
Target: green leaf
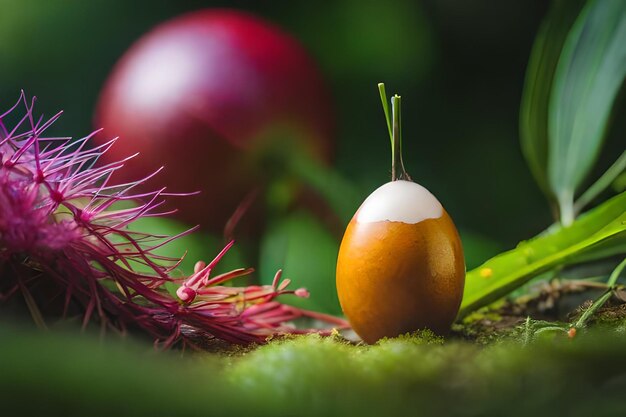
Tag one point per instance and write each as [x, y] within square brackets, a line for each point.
[587, 79]
[602, 183]
[536, 95]
[383, 99]
[503, 273]
[613, 246]
[307, 253]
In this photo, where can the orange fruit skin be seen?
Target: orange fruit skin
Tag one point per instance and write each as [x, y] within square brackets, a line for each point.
[395, 277]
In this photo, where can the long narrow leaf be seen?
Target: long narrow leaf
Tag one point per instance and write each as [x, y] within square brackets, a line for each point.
[503, 273]
[588, 77]
[538, 84]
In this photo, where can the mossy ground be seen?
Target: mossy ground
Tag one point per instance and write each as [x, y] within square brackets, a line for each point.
[555, 303]
[487, 366]
[310, 375]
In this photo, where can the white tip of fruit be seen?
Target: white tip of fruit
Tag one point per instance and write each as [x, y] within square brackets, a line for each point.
[399, 201]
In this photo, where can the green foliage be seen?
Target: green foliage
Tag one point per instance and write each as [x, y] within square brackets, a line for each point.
[611, 283]
[600, 228]
[575, 72]
[307, 253]
[539, 78]
[534, 328]
[588, 77]
[609, 176]
[572, 80]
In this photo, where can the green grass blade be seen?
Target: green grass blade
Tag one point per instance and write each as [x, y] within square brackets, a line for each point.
[582, 321]
[539, 76]
[503, 273]
[602, 183]
[588, 77]
[383, 99]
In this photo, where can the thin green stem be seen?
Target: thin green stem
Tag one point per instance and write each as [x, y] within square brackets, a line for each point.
[397, 167]
[550, 329]
[582, 321]
[602, 183]
[383, 99]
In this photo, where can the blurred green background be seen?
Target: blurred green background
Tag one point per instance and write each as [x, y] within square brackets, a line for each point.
[458, 65]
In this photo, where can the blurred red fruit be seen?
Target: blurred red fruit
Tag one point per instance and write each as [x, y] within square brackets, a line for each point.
[212, 95]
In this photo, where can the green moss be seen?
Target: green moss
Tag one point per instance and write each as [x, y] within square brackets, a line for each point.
[419, 337]
[481, 314]
[611, 318]
[318, 376]
[64, 374]
[486, 326]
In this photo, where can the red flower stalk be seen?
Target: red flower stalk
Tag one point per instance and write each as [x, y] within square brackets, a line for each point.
[63, 223]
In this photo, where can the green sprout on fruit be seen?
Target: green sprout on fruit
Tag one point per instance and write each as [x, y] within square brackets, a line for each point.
[394, 126]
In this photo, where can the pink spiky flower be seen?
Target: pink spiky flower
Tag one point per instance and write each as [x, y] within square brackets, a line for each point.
[62, 223]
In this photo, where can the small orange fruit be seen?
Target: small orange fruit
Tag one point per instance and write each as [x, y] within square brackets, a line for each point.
[400, 266]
